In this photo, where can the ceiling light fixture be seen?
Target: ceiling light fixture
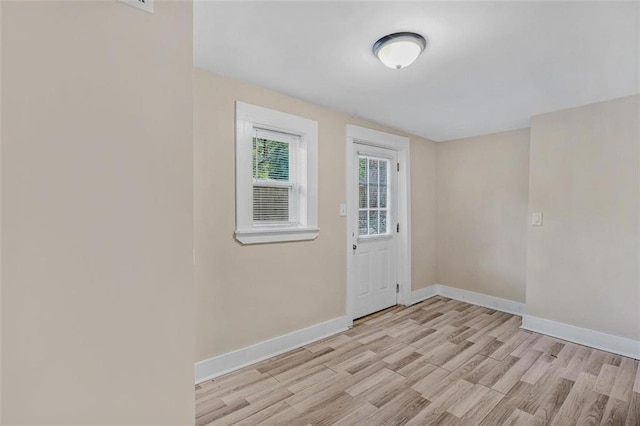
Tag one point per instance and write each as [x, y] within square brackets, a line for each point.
[399, 50]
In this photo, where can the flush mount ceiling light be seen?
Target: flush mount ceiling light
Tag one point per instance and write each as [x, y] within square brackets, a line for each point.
[399, 50]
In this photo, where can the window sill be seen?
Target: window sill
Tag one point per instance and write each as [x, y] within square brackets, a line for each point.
[276, 235]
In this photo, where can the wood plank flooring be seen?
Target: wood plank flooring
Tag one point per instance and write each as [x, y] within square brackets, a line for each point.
[438, 362]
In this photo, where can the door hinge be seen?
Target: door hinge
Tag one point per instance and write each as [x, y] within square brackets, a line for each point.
[397, 288]
[398, 166]
[397, 227]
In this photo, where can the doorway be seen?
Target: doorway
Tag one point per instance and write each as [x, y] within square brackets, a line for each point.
[378, 253]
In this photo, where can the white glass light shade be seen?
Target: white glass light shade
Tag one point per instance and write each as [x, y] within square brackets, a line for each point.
[400, 49]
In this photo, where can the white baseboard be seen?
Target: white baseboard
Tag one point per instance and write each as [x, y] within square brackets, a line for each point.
[491, 302]
[225, 363]
[423, 294]
[583, 336]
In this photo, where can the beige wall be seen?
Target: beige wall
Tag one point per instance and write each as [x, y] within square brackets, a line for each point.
[1, 221]
[97, 296]
[583, 263]
[482, 208]
[247, 294]
[423, 213]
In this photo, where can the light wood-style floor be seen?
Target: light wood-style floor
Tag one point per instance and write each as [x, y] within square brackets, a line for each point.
[438, 362]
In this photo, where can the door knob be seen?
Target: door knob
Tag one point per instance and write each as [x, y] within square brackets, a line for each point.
[355, 246]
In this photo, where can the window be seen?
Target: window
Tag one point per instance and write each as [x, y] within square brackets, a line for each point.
[373, 187]
[276, 176]
[275, 179]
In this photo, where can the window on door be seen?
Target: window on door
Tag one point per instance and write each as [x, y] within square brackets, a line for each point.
[373, 198]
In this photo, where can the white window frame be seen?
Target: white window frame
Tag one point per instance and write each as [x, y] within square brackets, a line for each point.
[248, 118]
[390, 214]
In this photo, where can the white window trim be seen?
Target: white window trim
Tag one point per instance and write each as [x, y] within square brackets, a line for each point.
[390, 229]
[249, 117]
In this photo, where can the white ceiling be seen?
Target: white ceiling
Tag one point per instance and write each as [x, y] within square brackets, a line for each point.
[488, 67]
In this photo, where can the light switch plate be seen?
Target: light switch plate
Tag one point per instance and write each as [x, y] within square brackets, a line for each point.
[536, 219]
[146, 5]
[343, 209]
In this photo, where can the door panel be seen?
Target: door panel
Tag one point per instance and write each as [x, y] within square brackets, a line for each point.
[375, 252]
[385, 272]
[364, 279]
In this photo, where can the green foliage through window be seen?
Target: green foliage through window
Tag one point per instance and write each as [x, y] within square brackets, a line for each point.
[270, 160]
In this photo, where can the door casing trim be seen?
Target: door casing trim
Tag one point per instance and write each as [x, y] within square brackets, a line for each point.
[400, 144]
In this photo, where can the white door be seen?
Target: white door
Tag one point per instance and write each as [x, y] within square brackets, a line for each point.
[374, 240]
